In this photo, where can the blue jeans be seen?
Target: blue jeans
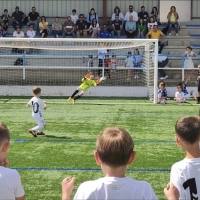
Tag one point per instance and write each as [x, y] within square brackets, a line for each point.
[73, 34]
[140, 35]
[113, 33]
[35, 25]
[175, 25]
[55, 33]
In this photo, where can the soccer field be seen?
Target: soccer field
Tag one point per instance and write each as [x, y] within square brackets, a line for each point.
[71, 131]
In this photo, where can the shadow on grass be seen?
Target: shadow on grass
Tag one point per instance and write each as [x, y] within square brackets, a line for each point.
[62, 137]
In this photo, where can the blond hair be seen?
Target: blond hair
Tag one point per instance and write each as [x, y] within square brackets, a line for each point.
[114, 146]
[36, 90]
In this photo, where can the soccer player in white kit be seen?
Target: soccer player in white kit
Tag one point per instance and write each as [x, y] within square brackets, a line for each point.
[37, 108]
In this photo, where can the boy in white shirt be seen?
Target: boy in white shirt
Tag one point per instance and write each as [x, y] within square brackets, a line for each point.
[179, 95]
[73, 16]
[10, 181]
[18, 33]
[129, 62]
[114, 163]
[185, 174]
[37, 108]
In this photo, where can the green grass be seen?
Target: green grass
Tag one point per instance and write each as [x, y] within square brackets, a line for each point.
[71, 132]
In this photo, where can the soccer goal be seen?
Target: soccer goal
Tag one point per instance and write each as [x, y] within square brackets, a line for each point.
[57, 65]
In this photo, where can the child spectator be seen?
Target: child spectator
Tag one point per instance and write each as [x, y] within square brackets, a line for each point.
[188, 63]
[113, 66]
[151, 23]
[10, 181]
[129, 63]
[101, 56]
[185, 174]
[179, 95]
[94, 28]
[107, 66]
[5, 20]
[137, 63]
[114, 152]
[37, 108]
[141, 27]
[74, 16]
[162, 93]
[198, 83]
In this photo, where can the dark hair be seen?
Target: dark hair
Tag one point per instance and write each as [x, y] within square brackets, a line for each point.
[155, 26]
[151, 18]
[33, 7]
[92, 9]
[188, 128]
[116, 15]
[93, 22]
[161, 82]
[142, 7]
[142, 21]
[4, 133]
[43, 17]
[116, 9]
[156, 10]
[137, 51]
[113, 55]
[74, 10]
[181, 84]
[5, 10]
[36, 90]
[189, 47]
[81, 15]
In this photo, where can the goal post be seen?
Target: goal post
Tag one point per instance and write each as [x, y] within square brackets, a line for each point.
[57, 65]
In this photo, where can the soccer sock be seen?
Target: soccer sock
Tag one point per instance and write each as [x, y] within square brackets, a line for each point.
[77, 97]
[198, 99]
[74, 93]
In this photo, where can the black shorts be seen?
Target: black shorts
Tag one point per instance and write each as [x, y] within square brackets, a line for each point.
[198, 83]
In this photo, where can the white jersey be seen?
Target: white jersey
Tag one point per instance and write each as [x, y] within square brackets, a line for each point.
[113, 64]
[10, 184]
[179, 95]
[74, 18]
[115, 188]
[37, 106]
[101, 53]
[185, 175]
[129, 61]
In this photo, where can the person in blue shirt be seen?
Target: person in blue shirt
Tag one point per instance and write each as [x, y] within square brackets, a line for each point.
[130, 27]
[162, 93]
[137, 63]
[105, 33]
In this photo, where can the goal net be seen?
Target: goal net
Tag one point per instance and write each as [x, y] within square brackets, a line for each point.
[58, 65]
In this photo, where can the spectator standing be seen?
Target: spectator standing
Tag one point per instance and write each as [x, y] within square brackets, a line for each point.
[119, 13]
[130, 27]
[5, 20]
[104, 33]
[151, 23]
[56, 28]
[81, 26]
[33, 19]
[141, 28]
[116, 27]
[69, 28]
[2, 31]
[43, 26]
[155, 15]
[143, 15]
[18, 33]
[131, 12]
[18, 18]
[94, 28]
[92, 15]
[173, 20]
[155, 34]
[74, 16]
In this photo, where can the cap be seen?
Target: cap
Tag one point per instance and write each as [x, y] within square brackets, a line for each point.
[17, 7]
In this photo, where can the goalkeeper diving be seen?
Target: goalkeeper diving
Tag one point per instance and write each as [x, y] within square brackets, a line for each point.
[87, 82]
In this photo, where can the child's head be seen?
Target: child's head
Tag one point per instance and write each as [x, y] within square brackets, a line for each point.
[129, 53]
[151, 20]
[106, 57]
[37, 91]
[90, 56]
[161, 85]
[92, 77]
[179, 88]
[187, 131]
[5, 11]
[114, 148]
[113, 56]
[73, 11]
[136, 52]
[4, 141]
[141, 21]
[188, 49]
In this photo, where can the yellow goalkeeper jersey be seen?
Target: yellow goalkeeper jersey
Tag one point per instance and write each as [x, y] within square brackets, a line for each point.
[87, 83]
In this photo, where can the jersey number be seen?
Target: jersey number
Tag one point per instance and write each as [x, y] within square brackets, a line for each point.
[35, 107]
[191, 183]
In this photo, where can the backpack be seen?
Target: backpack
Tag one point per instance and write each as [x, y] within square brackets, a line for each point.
[18, 62]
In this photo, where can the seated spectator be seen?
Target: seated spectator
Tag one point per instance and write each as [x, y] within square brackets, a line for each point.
[94, 28]
[2, 31]
[143, 15]
[104, 33]
[155, 15]
[173, 20]
[131, 12]
[18, 18]
[116, 27]
[18, 33]
[5, 20]
[151, 23]
[33, 19]
[31, 33]
[74, 16]
[43, 26]
[141, 28]
[56, 28]
[92, 15]
[81, 26]
[69, 28]
[119, 13]
[130, 27]
[155, 34]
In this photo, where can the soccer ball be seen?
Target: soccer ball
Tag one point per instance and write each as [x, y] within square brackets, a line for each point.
[102, 78]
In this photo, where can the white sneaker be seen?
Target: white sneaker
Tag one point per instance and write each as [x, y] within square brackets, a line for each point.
[169, 34]
[166, 66]
[176, 34]
[166, 77]
[135, 77]
[163, 78]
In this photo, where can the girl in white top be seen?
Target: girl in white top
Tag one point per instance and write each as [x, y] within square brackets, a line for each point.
[94, 28]
[129, 62]
[117, 12]
[151, 23]
[73, 16]
[179, 95]
[113, 64]
[188, 63]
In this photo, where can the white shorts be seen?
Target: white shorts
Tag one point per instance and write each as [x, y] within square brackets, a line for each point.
[39, 119]
[80, 90]
[187, 96]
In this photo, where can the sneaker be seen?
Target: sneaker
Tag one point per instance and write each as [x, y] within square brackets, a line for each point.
[166, 66]
[169, 34]
[166, 77]
[69, 99]
[135, 77]
[73, 101]
[162, 78]
[33, 133]
[40, 133]
[176, 34]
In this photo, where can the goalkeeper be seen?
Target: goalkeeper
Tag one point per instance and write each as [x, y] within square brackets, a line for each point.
[87, 82]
